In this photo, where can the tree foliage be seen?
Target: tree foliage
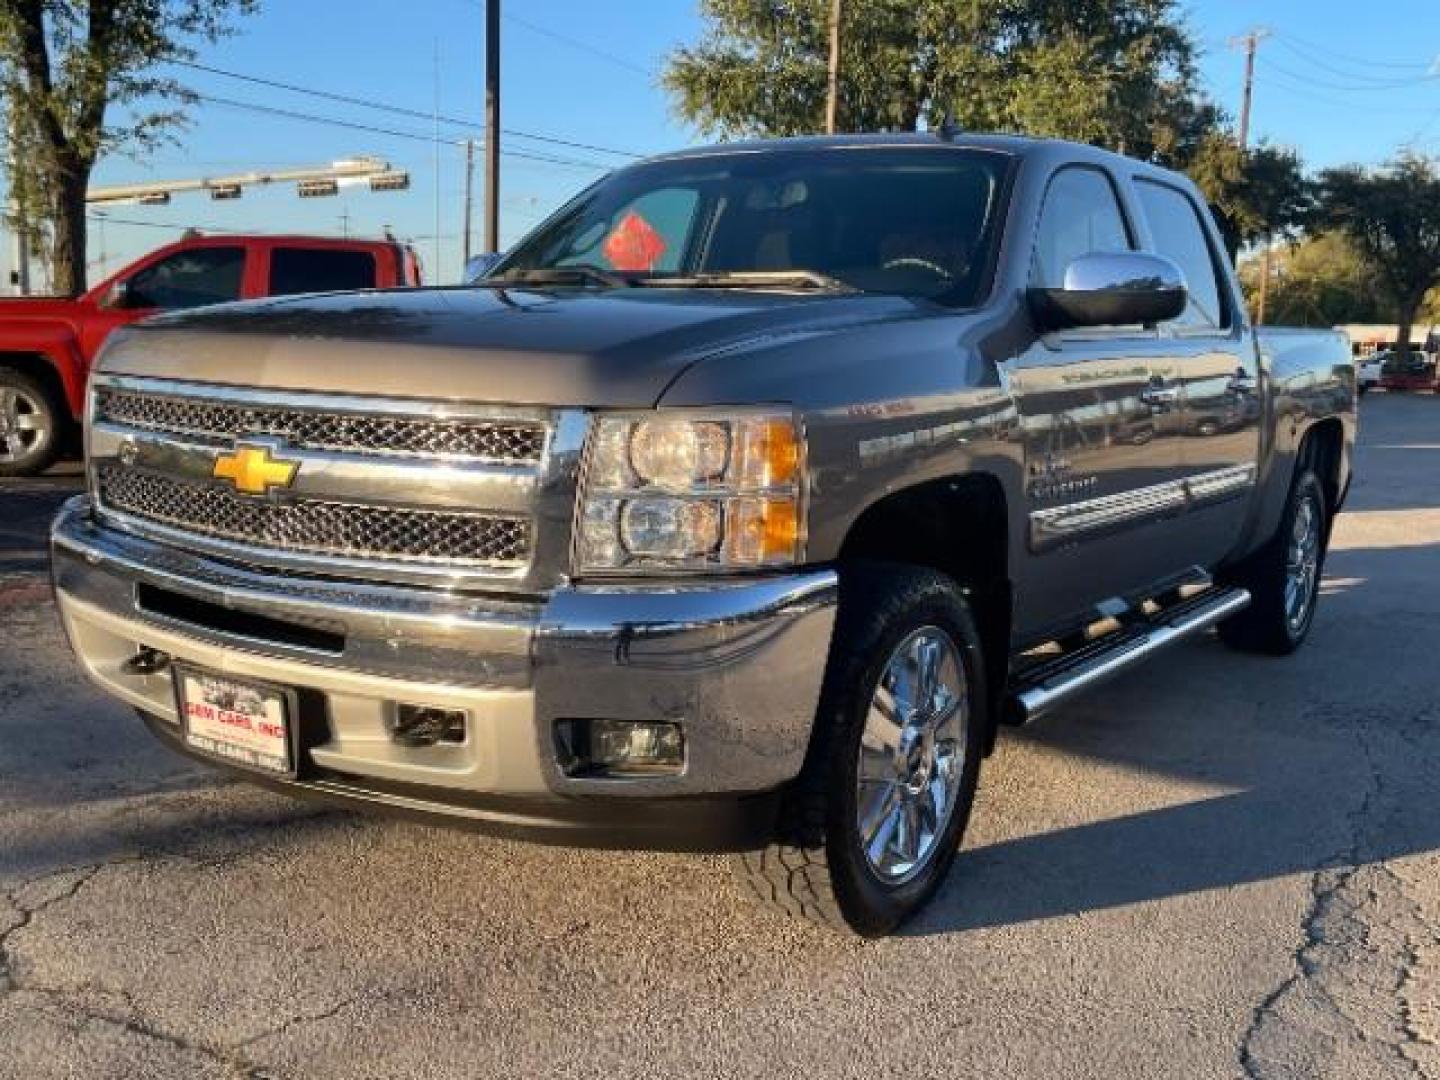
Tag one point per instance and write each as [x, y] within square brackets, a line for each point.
[1319, 281]
[66, 68]
[1257, 194]
[1391, 215]
[1112, 72]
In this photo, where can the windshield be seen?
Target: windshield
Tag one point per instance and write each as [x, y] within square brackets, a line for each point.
[914, 221]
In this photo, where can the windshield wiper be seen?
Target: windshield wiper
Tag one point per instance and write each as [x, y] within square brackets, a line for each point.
[750, 279]
[580, 274]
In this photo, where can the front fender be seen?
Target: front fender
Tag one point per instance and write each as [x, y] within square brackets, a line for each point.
[57, 345]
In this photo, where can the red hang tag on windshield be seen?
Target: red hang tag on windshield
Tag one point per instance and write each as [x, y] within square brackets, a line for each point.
[634, 246]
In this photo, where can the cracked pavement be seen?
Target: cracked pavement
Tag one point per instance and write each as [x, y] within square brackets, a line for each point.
[1218, 866]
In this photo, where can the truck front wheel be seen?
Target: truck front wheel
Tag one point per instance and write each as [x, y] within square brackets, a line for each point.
[30, 425]
[869, 830]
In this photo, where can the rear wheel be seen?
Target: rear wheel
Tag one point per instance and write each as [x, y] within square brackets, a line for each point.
[1284, 576]
[30, 425]
[871, 827]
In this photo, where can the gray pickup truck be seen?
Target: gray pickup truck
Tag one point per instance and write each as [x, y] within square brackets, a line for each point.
[733, 510]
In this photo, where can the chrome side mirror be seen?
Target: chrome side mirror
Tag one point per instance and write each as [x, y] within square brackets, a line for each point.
[480, 266]
[1112, 288]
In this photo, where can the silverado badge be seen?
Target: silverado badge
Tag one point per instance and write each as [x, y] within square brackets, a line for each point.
[253, 471]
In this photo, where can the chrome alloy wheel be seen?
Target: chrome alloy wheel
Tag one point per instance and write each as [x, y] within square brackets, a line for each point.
[22, 423]
[912, 755]
[1302, 565]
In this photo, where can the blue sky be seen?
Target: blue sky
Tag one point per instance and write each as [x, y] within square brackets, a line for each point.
[1338, 80]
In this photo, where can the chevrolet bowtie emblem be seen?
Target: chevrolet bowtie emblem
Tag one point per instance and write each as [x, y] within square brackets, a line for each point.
[252, 470]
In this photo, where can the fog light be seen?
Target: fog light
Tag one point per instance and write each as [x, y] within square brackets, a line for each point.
[619, 747]
[147, 661]
[425, 725]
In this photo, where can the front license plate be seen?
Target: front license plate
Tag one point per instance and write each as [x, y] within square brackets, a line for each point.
[241, 721]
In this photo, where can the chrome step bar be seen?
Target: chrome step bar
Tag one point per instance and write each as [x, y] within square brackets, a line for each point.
[1042, 688]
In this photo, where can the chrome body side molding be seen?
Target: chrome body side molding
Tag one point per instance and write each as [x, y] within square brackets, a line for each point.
[1056, 526]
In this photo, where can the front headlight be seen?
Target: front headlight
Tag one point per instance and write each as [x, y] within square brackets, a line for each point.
[692, 492]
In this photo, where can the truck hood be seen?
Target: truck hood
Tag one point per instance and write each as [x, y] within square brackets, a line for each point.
[617, 348]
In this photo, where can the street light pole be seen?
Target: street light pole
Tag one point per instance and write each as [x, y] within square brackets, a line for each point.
[20, 261]
[469, 199]
[492, 125]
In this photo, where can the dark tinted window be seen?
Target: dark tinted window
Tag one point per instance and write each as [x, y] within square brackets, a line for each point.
[302, 270]
[918, 222]
[189, 279]
[1081, 216]
[1179, 236]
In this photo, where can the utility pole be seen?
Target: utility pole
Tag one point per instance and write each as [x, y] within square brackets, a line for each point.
[1251, 43]
[832, 93]
[492, 125]
[469, 200]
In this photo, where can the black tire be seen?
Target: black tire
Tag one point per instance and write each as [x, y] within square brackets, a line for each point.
[817, 868]
[32, 424]
[1269, 624]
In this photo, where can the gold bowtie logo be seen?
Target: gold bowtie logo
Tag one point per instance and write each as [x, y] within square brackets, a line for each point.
[252, 470]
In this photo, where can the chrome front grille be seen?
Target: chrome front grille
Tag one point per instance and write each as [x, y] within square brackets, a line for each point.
[314, 527]
[457, 494]
[318, 428]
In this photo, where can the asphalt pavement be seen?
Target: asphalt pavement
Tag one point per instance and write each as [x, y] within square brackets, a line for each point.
[1217, 866]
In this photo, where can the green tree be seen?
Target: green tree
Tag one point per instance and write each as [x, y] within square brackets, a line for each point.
[1259, 194]
[63, 65]
[1391, 215]
[1319, 281]
[1110, 72]
[1115, 73]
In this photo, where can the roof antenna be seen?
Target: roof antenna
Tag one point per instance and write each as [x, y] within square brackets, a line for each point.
[949, 128]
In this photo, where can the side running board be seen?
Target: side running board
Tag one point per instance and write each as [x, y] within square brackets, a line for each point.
[1039, 689]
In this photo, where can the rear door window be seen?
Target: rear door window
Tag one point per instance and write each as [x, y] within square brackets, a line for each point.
[1179, 236]
[208, 275]
[306, 270]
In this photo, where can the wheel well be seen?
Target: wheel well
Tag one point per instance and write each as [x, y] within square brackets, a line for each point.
[959, 527]
[39, 368]
[1321, 450]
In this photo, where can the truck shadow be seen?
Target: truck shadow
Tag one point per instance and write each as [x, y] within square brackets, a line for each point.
[1331, 766]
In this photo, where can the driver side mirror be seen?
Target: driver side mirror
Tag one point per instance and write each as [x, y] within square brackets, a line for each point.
[1112, 288]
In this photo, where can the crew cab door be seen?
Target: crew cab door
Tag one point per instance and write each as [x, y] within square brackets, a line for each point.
[1100, 427]
[1215, 365]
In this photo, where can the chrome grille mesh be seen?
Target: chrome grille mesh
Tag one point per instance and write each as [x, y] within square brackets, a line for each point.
[317, 429]
[312, 527]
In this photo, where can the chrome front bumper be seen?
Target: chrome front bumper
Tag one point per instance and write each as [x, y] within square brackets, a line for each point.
[737, 664]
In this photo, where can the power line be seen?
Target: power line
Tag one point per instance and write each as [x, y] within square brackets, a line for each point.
[575, 43]
[1336, 55]
[1360, 80]
[398, 110]
[415, 136]
[1372, 86]
[1284, 79]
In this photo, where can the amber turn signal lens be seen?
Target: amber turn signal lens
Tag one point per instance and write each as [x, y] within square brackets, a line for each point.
[762, 531]
[767, 454]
